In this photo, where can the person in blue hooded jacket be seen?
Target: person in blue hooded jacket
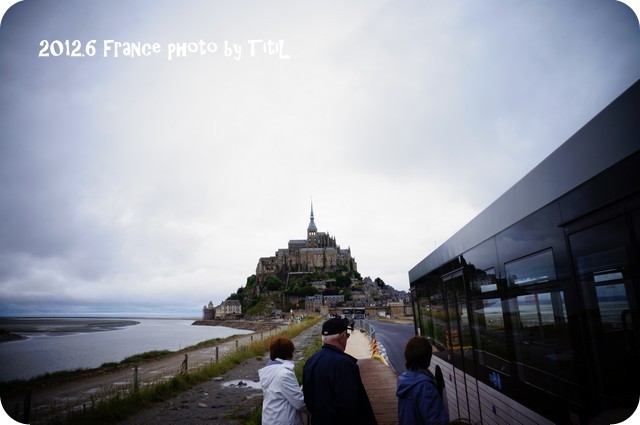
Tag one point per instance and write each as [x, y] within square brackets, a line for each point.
[419, 402]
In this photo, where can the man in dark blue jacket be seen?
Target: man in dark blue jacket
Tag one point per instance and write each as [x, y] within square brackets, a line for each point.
[331, 382]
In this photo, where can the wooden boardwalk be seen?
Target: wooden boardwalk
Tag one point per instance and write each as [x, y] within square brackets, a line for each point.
[379, 379]
[380, 383]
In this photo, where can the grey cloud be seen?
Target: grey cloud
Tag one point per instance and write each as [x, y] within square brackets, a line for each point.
[126, 177]
[489, 84]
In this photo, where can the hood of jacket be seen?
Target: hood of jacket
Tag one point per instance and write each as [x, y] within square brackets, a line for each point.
[272, 370]
[409, 379]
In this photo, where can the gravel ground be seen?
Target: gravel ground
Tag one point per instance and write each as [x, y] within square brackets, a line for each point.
[226, 399]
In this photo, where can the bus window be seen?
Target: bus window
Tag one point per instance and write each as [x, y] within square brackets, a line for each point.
[490, 341]
[458, 333]
[426, 325]
[612, 300]
[543, 346]
[535, 268]
[438, 313]
[422, 310]
[459, 341]
[484, 281]
[601, 257]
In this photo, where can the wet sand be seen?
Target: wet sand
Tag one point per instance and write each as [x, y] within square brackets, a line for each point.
[17, 328]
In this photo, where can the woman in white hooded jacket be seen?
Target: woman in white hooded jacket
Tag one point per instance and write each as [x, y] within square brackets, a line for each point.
[283, 402]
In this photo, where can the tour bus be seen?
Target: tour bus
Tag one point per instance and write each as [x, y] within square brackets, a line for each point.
[532, 306]
[358, 313]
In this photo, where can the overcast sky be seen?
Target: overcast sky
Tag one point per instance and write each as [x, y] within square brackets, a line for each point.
[153, 185]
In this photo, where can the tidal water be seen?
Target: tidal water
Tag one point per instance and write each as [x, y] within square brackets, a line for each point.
[56, 344]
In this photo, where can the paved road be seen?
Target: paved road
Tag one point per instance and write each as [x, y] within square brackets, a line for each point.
[393, 337]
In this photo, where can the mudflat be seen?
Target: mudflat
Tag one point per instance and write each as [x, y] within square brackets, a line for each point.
[61, 325]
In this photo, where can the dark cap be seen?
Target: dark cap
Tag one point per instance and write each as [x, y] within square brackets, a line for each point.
[335, 326]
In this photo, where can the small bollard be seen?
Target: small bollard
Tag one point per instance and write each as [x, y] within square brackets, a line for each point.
[217, 358]
[236, 345]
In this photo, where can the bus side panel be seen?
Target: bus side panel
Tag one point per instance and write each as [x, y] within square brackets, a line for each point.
[494, 408]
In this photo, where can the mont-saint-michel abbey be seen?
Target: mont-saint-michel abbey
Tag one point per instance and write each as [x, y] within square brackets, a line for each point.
[319, 252]
[312, 274]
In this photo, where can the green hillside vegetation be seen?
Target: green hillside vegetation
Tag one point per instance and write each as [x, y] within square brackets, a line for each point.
[274, 293]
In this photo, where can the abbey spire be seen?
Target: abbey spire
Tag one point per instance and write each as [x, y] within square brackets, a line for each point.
[312, 230]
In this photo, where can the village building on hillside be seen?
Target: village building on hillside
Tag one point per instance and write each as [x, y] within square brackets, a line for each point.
[228, 309]
[319, 252]
[315, 303]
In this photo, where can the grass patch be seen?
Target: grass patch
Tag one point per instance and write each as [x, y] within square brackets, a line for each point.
[308, 352]
[149, 355]
[254, 417]
[207, 343]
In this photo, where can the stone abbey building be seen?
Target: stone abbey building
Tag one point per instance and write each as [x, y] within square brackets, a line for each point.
[319, 252]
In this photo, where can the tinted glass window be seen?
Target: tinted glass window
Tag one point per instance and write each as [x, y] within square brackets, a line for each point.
[612, 302]
[430, 303]
[602, 261]
[535, 268]
[484, 281]
[424, 311]
[602, 257]
[489, 334]
[438, 312]
[480, 267]
[536, 233]
[459, 329]
[543, 347]
[483, 256]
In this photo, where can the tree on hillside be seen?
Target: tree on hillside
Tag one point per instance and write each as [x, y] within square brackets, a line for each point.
[302, 291]
[251, 281]
[347, 294]
[343, 281]
[331, 290]
[273, 283]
